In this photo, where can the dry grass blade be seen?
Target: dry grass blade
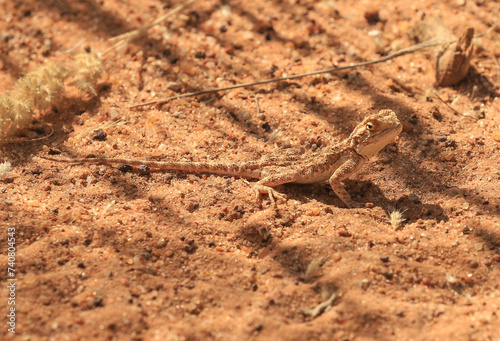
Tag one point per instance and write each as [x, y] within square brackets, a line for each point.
[398, 53]
[449, 106]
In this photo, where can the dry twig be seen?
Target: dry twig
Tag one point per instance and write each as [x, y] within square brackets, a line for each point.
[449, 106]
[398, 53]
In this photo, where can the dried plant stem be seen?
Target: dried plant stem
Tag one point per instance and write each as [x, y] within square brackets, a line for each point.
[449, 106]
[399, 53]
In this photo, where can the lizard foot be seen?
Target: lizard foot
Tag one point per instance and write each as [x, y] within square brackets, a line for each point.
[271, 192]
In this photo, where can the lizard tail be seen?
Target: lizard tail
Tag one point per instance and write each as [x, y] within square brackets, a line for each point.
[247, 170]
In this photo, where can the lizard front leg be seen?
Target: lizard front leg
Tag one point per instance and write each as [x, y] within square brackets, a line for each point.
[348, 168]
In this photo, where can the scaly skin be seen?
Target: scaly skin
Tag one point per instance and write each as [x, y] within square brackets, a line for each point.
[335, 163]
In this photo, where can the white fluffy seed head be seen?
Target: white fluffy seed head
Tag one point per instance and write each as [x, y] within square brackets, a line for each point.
[42, 88]
[396, 218]
[5, 169]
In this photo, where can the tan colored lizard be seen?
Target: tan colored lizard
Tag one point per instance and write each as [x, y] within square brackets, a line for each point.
[334, 163]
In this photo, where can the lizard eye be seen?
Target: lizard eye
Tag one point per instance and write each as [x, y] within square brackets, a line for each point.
[369, 126]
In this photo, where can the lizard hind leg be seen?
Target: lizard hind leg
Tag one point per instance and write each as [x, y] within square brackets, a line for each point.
[266, 184]
[271, 192]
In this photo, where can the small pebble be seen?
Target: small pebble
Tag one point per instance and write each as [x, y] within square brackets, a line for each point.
[192, 205]
[436, 114]
[125, 168]
[264, 233]
[344, 233]
[451, 143]
[98, 302]
[313, 211]
[174, 86]
[161, 243]
[99, 135]
[372, 17]
[114, 113]
[448, 156]
[475, 114]
[467, 230]
[143, 169]
[190, 247]
[200, 54]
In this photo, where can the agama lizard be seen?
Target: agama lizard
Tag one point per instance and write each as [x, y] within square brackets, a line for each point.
[334, 163]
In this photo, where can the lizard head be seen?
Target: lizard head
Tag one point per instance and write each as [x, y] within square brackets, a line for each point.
[375, 132]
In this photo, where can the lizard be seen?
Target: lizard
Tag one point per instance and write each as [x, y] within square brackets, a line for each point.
[334, 163]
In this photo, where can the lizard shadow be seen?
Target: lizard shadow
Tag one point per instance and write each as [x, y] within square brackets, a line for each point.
[309, 266]
[410, 165]
[368, 193]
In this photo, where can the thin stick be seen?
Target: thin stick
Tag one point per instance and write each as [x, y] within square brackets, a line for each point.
[449, 106]
[122, 38]
[398, 53]
[402, 52]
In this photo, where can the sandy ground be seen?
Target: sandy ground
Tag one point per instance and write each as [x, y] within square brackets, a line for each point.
[106, 255]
